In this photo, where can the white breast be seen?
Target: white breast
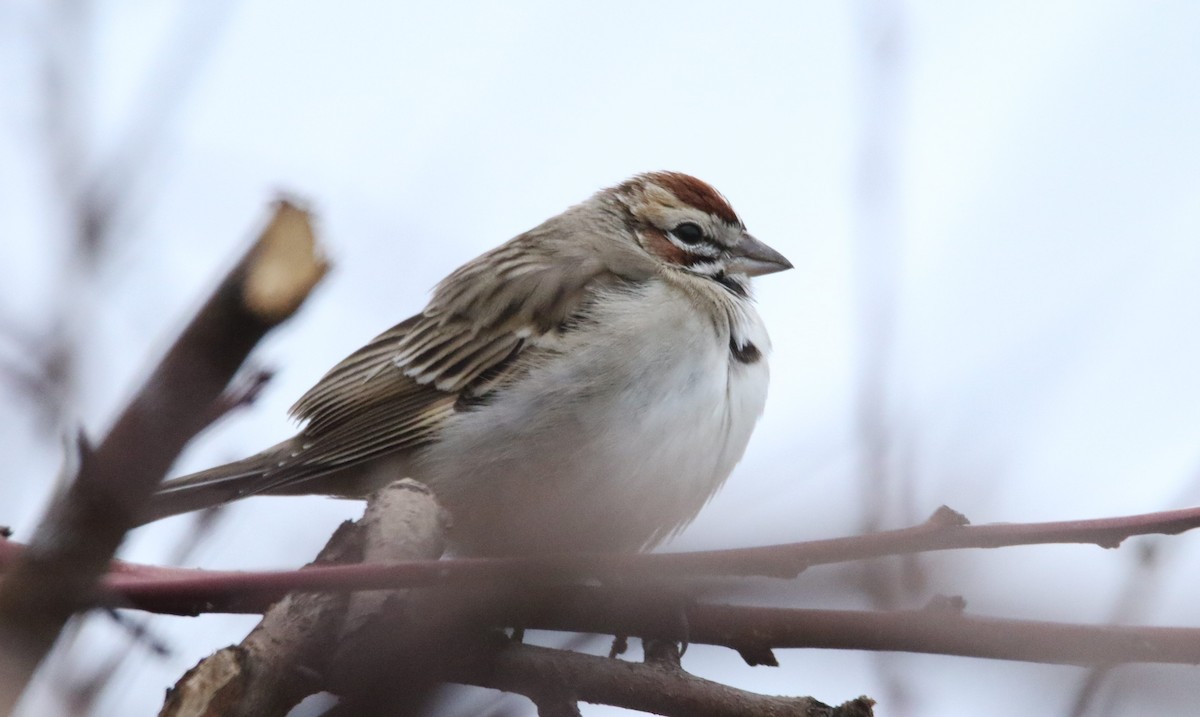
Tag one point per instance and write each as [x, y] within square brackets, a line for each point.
[613, 442]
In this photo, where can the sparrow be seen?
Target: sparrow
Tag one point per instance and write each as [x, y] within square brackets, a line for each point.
[585, 387]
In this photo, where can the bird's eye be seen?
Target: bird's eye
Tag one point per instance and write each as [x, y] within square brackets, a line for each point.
[688, 233]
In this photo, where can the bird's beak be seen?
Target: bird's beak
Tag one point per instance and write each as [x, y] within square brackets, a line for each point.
[753, 258]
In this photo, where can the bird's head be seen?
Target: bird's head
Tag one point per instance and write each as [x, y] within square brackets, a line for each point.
[685, 223]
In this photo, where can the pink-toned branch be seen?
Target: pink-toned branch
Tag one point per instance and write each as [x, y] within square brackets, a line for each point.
[752, 631]
[190, 591]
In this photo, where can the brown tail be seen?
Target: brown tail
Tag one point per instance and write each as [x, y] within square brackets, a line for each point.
[212, 487]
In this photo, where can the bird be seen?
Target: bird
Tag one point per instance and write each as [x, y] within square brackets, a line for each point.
[585, 387]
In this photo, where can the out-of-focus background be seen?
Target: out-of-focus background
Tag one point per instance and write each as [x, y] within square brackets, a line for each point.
[993, 209]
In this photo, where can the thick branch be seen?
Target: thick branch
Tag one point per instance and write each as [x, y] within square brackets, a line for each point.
[82, 529]
[272, 668]
[653, 688]
[287, 654]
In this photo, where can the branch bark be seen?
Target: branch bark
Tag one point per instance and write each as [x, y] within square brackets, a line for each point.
[286, 656]
[73, 544]
[654, 688]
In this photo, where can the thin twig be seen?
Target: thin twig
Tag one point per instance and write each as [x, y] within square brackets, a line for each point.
[940, 629]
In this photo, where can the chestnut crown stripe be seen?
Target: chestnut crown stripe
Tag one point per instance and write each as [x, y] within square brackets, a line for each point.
[696, 193]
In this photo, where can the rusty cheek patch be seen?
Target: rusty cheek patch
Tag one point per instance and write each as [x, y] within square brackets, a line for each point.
[662, 247]
[665, 249]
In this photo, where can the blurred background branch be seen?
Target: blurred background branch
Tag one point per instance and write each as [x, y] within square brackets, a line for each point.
[56, 576]
[98, 188]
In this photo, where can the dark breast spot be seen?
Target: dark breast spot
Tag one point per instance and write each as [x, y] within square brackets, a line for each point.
[734, 286]
[747, 353]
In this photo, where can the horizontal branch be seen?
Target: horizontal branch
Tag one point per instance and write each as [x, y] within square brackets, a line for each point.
[940, 629]
[755, 631]
[191, 591]
[180, 591]
[946, 529]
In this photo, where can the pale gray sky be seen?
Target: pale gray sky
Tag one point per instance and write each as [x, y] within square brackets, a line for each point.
[1046, 242]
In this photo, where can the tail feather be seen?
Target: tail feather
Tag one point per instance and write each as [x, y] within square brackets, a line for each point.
[211, 487]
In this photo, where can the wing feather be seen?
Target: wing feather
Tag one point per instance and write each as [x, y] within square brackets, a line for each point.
[395, 393]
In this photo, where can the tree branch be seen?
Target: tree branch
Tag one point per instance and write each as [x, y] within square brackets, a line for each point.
[83, 527]
[191, 591]
[286, 656]
[939, 629]
[755, 631]
[658, 689]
